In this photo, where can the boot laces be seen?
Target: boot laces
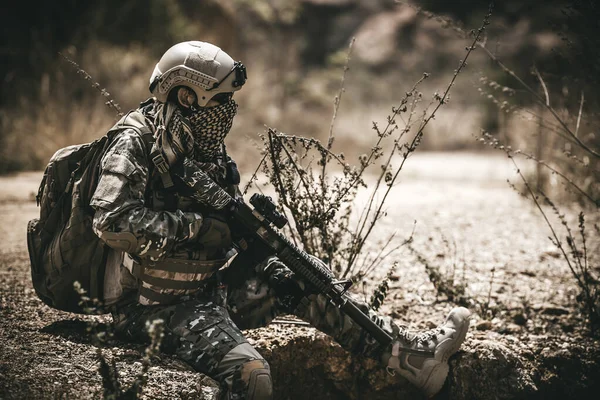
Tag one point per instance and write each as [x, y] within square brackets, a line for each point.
[421, 338]
[430, 336]
[407, 341]
[405, 335]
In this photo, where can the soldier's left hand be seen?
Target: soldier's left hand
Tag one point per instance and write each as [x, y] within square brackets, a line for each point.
[214, 234]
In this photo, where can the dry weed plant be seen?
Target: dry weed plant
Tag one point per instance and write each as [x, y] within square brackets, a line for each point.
[575, 252]
[565, 153]
[381, 292]
[444, 279]
[561, 150]
[576, 168]
[102, 335]
[317, 188]
[580, 261]
[110, 102]
[448, 286]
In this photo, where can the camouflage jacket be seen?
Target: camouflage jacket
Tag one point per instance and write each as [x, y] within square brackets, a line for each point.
[149, 224]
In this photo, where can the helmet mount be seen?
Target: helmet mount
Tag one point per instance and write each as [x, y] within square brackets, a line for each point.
[240, 75]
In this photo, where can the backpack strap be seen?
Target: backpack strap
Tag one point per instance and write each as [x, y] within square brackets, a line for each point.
[158, 157]
[137, 120]
[140, 124]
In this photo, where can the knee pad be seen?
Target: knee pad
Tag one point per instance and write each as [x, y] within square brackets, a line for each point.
[244, 374]
[258, 376]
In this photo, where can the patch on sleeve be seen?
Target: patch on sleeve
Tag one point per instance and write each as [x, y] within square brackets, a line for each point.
[110, 188]
[119, 164]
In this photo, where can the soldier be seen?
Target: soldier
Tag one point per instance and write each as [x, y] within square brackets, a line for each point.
[172, 257]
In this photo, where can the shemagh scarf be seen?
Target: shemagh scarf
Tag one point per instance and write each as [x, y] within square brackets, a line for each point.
[198, 136]
[210, 125]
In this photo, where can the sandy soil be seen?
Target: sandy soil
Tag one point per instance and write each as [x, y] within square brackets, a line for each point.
[470, 225]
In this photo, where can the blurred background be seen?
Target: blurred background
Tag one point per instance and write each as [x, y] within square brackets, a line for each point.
[295, 52]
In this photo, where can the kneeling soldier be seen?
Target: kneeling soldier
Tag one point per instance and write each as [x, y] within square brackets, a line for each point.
[173, 258]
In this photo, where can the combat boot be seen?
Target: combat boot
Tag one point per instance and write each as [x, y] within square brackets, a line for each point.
[422, 358]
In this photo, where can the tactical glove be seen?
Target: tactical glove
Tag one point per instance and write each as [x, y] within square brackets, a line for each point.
[214, 234]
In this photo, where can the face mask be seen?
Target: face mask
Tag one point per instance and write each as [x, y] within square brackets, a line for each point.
[199, 136]
[209, 127]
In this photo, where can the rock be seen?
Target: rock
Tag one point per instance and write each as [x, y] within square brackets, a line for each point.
[554, 310]
[568, 327]
[490, 370]
[519, 318]
[510, 329]
[550, 254]
[307, 364]
[323, 370]
[484, 325]
[431, 324]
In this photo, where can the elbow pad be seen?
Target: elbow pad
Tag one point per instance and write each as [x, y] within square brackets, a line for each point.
[123, 241]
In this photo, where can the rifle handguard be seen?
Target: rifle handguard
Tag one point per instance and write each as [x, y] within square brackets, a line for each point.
[272, 242]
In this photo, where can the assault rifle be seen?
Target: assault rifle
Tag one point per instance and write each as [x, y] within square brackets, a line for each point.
[260, 225]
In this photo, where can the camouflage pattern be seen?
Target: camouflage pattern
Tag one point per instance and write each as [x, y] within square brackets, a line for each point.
[274, 290]
[132, 206]
[210, 125]
[198, 329]
[204, 324]
[326, 317]
[164, 282]
[202, 188]
[203, 329]
[120, 205]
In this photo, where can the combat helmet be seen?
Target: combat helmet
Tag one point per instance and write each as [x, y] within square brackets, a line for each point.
[200, 66]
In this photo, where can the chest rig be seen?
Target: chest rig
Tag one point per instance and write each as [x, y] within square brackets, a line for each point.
[187, 270]
[165, 195]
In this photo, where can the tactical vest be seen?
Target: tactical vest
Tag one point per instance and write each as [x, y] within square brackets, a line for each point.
[187, 271]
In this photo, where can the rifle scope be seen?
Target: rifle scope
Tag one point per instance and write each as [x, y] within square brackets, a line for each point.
[265, 206]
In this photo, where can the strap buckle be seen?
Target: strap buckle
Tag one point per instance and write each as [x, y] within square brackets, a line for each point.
[159, 162]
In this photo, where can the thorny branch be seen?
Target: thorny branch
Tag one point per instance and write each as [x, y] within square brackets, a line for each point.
[572, 136]
[315, 203]
[579, 270]
[417, 138]
[488, 139]
[109, 102]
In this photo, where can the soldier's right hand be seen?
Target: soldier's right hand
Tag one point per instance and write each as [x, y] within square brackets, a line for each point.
[214, 234]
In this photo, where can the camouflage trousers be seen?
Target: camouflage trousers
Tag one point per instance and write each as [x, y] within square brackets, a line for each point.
[205, 330]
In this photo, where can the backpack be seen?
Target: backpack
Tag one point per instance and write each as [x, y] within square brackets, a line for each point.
[63, 248]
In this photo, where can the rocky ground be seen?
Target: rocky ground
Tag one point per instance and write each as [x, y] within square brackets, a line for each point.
[528, 339]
